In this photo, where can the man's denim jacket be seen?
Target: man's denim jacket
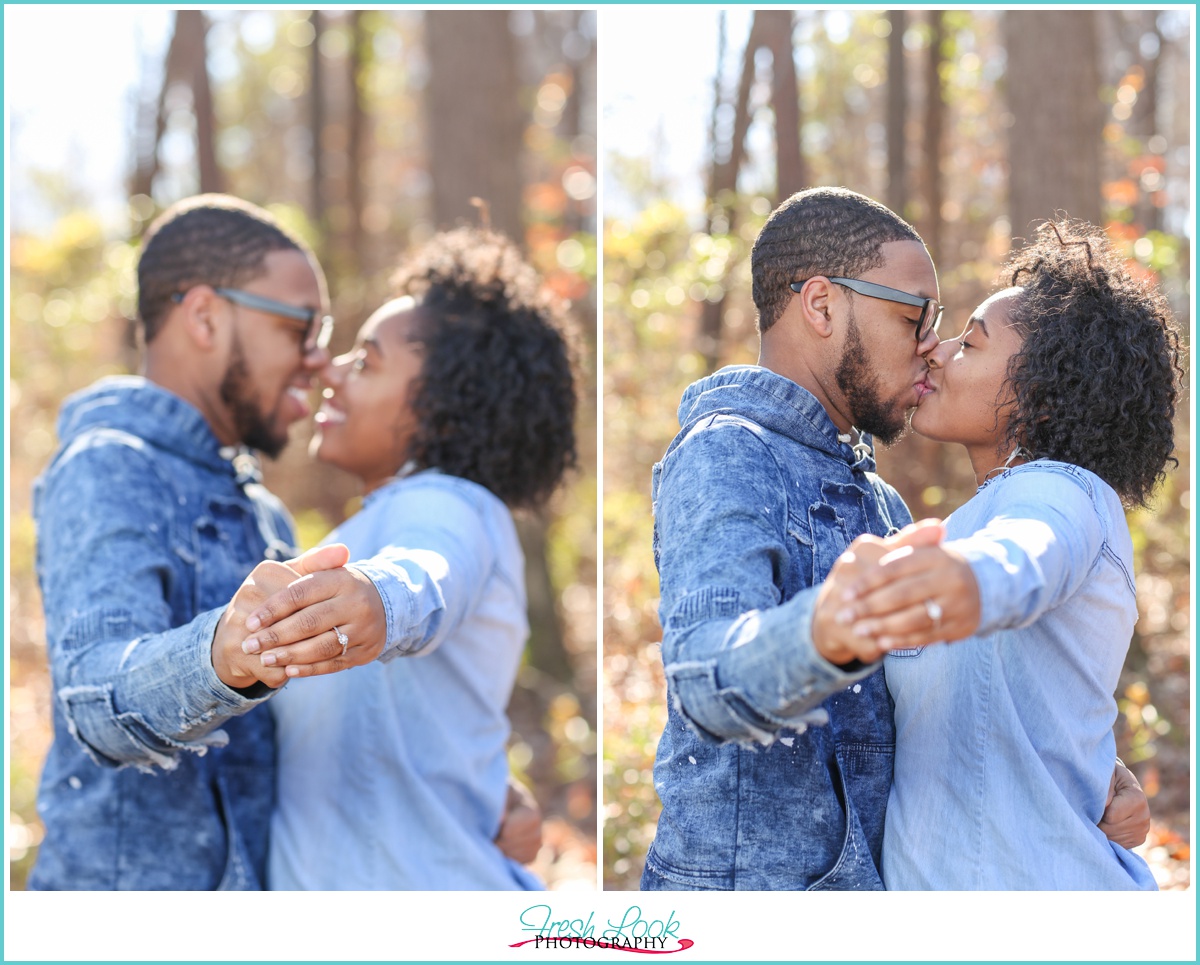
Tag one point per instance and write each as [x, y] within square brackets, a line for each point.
[763, 785]
[146, 528]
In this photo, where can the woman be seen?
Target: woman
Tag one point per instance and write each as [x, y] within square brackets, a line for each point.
[1062, 388]
[455, 405]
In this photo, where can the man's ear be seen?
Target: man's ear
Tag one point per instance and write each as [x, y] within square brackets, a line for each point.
[815, 301]
[196, 314]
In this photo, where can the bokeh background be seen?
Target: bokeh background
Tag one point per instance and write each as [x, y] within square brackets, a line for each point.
[972, 124]
[365, 131]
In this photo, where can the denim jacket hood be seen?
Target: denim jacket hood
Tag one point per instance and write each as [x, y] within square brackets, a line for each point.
[775, 403]
[146, 528]
[775, 765]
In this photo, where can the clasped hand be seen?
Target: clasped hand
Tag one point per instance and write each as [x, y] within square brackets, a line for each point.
[280, 623]
[902, 591]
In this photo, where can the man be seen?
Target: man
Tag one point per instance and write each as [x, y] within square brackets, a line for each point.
[769, 479]
[161, 773]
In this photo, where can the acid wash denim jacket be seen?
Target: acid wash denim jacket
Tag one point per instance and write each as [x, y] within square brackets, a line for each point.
[146, 528]
[767, 782]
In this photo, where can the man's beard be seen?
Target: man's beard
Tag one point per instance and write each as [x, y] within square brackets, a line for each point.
[859, 382]
[252, 427]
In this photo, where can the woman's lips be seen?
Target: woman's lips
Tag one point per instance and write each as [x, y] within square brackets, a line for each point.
[327, 415]
[923, 388]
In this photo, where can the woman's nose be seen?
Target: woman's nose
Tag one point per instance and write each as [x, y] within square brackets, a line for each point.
[334, 369]
[935, 357]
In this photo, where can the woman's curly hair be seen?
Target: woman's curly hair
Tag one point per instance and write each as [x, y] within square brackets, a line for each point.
[495, 401]
[1096, 380]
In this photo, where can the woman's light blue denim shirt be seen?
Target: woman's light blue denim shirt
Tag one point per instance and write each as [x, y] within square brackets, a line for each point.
[754, 500]
[1004, 742]
[394, 775]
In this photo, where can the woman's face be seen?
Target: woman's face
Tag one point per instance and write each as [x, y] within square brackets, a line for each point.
[366, 421]
[967, 402]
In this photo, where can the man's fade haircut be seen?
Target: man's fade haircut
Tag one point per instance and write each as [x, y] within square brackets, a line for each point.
[209, 239]
[820, 231]
[495, 401]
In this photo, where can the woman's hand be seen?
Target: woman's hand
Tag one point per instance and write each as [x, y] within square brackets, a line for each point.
[297, 627]
[833, 635]
[233, 663]
[914, 595]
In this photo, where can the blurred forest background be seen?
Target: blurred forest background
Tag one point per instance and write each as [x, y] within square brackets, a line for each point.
[365, 131]
[972, 124]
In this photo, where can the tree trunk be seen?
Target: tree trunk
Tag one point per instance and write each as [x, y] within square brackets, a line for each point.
[316, 123]
[195, 29]
[356, 122]
[186, 63]
[935, 109]
[1053, 90]
[897, 114]
[722, 187]
[790, 175]
[475, 121]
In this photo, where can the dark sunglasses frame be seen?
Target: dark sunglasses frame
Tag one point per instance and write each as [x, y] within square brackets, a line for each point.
[320, 328]
[931, 311]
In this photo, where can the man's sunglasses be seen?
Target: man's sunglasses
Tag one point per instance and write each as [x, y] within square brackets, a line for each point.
[931, 311]
[320, 328]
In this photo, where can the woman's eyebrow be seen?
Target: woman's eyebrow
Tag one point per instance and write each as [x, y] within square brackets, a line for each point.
[978, 320]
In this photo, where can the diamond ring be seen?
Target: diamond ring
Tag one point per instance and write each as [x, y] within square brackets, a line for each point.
[345, 640]
[934, 611]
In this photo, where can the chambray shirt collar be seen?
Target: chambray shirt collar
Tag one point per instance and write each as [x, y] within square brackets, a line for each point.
[776, 403]
[136, 405]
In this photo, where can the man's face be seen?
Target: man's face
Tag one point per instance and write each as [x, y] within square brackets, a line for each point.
[881, 371]
[267, 379]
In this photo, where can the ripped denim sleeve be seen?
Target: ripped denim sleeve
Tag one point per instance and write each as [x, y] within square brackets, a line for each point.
[143, 699]
[762, 673]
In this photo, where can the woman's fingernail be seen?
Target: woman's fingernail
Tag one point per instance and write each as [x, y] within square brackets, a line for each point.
[292, 671]
[268, 659]
[844, 616]
[253, 623]
[250, 645]
[885, 643]
[848, 595]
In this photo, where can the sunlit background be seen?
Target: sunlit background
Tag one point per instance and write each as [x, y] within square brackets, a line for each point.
[364, 131]
[972, 124]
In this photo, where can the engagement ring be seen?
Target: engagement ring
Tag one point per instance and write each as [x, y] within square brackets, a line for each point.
[934, 611]
[345, 640]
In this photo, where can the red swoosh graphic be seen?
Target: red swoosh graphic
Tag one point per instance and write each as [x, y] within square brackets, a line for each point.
[684, 945]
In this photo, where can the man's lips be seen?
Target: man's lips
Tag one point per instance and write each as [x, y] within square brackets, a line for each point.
[923, 388]
[298, 399]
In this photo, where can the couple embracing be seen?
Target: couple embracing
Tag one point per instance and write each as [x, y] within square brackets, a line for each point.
[177, 610]
[822, 730]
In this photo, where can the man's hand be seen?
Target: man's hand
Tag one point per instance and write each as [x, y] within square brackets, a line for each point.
[832, 634]
[293, 632]
[520, 836]
[1126, 819]
[234, 666]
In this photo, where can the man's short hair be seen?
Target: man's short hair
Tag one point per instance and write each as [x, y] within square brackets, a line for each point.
[210, 239]
[821, 231]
